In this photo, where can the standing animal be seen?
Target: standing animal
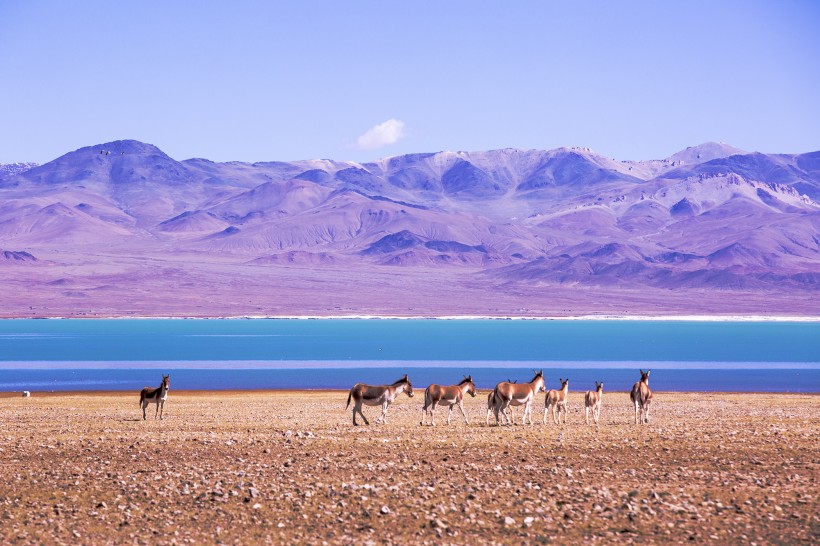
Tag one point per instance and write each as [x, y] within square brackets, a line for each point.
[435, 395]
[491, 405]
[592, 402]
[641, 396]
[377, 395]
[511, 394]
[156, 395]
[556, 400]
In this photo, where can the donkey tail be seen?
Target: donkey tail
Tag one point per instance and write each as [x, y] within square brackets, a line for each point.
[349, 396]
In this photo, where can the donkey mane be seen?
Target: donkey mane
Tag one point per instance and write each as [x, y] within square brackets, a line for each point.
[400, 381]
[467, 379]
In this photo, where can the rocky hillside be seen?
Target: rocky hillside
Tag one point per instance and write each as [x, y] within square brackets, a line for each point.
[709, 217]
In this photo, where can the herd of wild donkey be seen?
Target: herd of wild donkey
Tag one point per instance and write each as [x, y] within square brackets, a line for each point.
[500, 400]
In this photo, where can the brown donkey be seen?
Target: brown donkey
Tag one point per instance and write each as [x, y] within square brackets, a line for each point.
[511, 394]
[491, 405]
[377, 395]
[641, 396]
[157, 396]
[557, 401]
[436, 395]
[592, 402]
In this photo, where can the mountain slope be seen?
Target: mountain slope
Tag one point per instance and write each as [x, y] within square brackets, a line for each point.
[710, 217]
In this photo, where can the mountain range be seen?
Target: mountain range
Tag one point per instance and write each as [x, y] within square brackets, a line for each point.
[121, 228]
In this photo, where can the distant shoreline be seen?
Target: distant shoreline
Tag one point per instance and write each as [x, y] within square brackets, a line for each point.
[638, 318]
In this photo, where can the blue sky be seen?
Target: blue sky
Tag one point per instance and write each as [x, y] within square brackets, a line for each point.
[258, 81]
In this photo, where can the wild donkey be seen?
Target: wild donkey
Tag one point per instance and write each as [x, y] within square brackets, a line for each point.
[641, 396]
[447, 396]
[157, 396]
[377, 395]
[557, 401]
[592, 402]
[510, 394]
[491, 405]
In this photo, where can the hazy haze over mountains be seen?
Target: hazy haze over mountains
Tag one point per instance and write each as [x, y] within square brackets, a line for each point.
[121, 228]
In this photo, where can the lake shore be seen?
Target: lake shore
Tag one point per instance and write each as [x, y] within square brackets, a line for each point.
[664, 318]
[288, 466]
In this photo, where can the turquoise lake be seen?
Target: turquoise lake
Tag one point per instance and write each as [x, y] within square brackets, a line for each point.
[332, 353]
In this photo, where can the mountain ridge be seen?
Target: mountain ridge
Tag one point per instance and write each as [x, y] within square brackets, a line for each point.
[710, 217]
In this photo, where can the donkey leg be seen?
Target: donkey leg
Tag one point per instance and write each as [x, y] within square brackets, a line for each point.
[144, 405]
[546, 409]
[161, 408]
[156, 412]
[461, 407]
[449, 414]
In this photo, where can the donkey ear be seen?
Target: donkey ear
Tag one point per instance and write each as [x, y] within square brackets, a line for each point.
[647, 372]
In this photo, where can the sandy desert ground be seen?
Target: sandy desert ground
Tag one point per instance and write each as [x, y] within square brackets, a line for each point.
[286, 467]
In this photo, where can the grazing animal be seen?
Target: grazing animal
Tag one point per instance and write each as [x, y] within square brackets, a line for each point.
[592, 402]
[377, 395]
[641, 396]
[447, 396]
[156, 395]
[26, 394]
[556, 401]
[511, 394]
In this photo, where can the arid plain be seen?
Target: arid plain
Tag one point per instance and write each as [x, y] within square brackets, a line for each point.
[289, 467]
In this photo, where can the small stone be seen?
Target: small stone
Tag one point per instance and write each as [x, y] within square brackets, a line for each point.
[528, 520]
[384, 510]
[257, 506]
[509, 521]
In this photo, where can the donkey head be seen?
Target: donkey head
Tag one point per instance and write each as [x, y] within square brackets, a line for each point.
[409, 388]
[539, 379]
[166, 381]
[645, 376]
[468, 380]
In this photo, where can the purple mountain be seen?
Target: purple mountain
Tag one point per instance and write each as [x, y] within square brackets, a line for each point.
[121, 228]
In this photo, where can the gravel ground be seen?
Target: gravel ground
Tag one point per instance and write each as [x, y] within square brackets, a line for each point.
[289, 467]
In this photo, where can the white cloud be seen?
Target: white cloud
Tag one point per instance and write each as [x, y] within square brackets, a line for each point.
[383, 134]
